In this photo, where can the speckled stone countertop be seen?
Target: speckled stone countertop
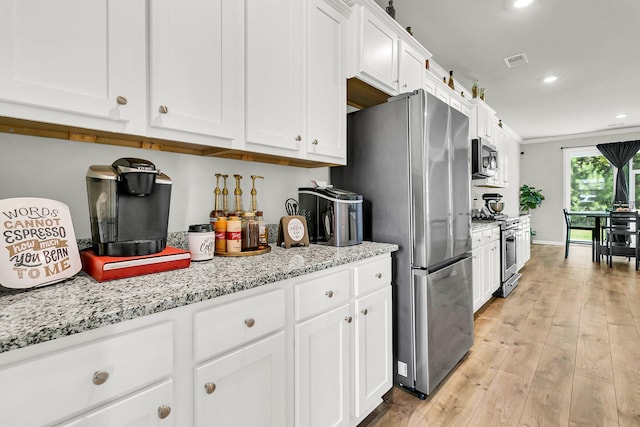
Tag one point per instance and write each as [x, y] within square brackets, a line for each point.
[481, 225]
[81, 303]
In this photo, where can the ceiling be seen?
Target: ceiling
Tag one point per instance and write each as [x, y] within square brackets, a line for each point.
[592, 46]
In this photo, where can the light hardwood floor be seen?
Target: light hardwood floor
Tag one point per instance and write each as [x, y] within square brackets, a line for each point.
[562, 350]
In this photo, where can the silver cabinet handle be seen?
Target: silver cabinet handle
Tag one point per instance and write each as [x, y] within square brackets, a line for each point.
[378, 275]
[250, 322]
[348, 319]
[329, 294]
[100, 377]
[364, 311]
[314, 142]
[121, 100]
[164, 411]
[210, 388]
[163, 109]
[298, 138]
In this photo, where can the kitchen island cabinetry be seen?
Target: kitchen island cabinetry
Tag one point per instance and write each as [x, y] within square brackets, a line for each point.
[78, 63]
[262, 333]
[486, 264]
[195, 71]
[295, 86]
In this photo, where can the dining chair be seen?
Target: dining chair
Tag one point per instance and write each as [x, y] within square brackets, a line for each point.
[621, 236]
[571, 226]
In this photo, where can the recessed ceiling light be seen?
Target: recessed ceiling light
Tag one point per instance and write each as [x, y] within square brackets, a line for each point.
[522, 3]
[550, 79]
[621, 116]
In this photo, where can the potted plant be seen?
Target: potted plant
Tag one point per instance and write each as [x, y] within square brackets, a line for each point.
[530, 198]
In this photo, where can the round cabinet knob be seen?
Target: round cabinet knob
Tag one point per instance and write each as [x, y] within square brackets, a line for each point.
[314, 142]
[209, 388]
[329, 294]
[364, 311]
[163, 109]
[404, 85]
[298, 138]
[121, 100]
[348, 319]
[378, 275]
[250, 322]
[164, 411]
[100, 377]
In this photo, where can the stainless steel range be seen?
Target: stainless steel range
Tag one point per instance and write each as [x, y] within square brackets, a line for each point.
[492, 211]
[509, 275]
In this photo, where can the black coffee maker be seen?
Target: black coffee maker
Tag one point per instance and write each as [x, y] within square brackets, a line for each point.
[128, 207]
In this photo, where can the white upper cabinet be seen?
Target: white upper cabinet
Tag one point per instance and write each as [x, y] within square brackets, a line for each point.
[295, 83]
[377, 52]
[196, 72]
[74, 62]
[411, 68]
[274, 52]
[382, 53]
[326, 85]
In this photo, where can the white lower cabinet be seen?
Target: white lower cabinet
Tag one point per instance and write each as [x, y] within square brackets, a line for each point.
[372, 351]
[523, 249]
[243, 388]
[322, 362]
[308, 351]
[485, 264]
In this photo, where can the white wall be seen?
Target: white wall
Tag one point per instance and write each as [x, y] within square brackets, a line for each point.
[541, 167]
[56, 169]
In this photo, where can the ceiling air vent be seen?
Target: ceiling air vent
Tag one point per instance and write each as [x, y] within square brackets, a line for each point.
[516, 60]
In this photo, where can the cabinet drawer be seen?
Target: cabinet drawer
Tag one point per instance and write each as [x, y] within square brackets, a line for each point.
[60, 384]
[223, 327]
[371, 276]
[322, 294]
[495, 234]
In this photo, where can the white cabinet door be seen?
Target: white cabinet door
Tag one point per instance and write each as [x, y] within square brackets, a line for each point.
[74, 62]
[194, 75]
[373, 350]
[411, 68]
[322, 369]
[275, 70]
[325, 84]
[149, 408]
[478, 261]
[492, 272]
[243, 388]
[378, 53]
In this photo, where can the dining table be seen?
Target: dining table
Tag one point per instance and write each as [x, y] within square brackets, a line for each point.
[597, 216]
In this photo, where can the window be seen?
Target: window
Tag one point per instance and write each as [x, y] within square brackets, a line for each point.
[588, 184]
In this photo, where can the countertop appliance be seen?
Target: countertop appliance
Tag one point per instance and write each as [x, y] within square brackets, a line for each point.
[334, 216]
[484, 159]
[410, 159]
[128, 207]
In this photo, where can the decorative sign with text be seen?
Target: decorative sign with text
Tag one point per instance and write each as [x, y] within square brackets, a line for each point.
[293, 231]
[37, 243]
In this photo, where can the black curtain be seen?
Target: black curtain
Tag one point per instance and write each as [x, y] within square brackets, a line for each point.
[619, 154]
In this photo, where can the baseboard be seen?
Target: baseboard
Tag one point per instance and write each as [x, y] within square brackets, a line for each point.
[547, 242]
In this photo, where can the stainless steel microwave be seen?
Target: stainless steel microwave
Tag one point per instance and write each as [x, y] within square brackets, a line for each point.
[484, 158]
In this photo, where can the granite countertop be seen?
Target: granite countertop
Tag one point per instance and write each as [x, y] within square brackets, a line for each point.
[80, 304]
[484, 224]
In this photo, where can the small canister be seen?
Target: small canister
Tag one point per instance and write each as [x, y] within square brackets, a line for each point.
[250, 232]
[201, 242]
[234, 234]
[221, 234]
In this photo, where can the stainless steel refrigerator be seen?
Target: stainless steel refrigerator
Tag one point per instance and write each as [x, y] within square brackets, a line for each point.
[410, 159]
